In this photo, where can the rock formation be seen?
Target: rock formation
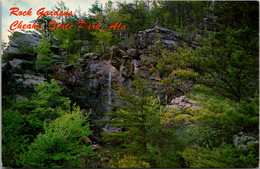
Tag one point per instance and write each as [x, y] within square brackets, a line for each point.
[159, 34]
[87, 82]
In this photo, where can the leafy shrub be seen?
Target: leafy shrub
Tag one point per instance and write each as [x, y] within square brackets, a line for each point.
[46, 104]
[165, 148]
[14, 136]
[225, 156]
[62, 144]
[24, 119]
[128, 161]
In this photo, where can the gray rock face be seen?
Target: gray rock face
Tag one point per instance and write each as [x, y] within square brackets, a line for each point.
[183, 102]
[88, 83]
[241, 139]
[158, 34]
[90, 55]
[19, 75]
[28, 80]
[134, 53]
[32, 82]
[20, 64]
[88, 86]
[123, 46]
[17, 81]
[21, 47]
[58, 57]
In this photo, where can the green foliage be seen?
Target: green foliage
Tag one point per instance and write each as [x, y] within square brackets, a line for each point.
[226, 66]
[217, 120]
[73, 59]
[43, 50]
[46, 104]
[139, 116]
[44, 131]
[21, 121]
[130, 41]
[157, 46]
[225, 156]
[248, 114]
[182, 16]
[14, 133]
[222, 64]
[135, 15]
[44, 20]
[14, 35]
[247, 12]
[128, 161]
[62, 144]
[175, 66]
[208, 139]
[104, 37]
[26, 48]
[65, 37]
[227, 61]
[165, 148]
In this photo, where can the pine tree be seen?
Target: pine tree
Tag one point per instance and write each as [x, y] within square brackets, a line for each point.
[138, 116]
[44, 56]
[104, 37]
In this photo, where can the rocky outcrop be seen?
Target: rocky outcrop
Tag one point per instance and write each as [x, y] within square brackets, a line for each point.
[21, 46]
[19, 78]
[242, 139]
[183, 102]
[88, 84]
[88, 81]
[91, 55]
[158, 34]
[123, 46]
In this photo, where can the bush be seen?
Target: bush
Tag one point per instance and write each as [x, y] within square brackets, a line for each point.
[62, 145]
[128, 161]
[49, 113]
[15, 136]
[226, 156]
